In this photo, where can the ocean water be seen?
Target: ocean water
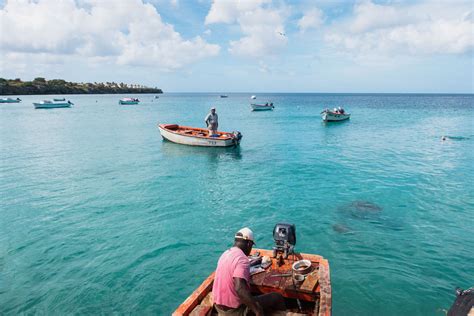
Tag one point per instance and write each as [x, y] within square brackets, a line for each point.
[99, 215]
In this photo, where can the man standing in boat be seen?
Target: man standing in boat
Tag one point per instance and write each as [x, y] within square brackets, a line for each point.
[231, 288]
[212, 122]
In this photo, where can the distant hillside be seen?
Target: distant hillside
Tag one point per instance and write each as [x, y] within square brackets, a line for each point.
[58, 86]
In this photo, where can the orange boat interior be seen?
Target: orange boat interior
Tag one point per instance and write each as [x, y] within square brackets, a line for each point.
[194, 131]
[310, 296]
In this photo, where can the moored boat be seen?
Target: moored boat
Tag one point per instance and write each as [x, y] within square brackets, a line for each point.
[224, 96]
[262, 107]
[338, 114]
[126, 101]
[48, 104]
[302, 279]
[10, 100]
[194, 136]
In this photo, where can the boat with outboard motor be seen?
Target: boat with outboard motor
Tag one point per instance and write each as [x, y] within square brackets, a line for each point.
[48, 104]
[10, 100]
[129, 101]
[262, 107]
[302, 279]
[335, 115]
[195, 136]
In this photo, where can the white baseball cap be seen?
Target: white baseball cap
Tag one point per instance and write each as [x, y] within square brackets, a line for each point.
[245, 234]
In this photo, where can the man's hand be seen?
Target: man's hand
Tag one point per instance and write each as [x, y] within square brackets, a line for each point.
[243, 291]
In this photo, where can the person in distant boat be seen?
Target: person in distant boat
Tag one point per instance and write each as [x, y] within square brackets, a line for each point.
[231, 288]
[212, 122]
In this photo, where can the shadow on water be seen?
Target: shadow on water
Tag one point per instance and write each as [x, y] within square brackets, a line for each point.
[361, 209]
[213, 153]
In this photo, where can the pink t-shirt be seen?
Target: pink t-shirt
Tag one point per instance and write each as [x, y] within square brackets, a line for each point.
[232, 264]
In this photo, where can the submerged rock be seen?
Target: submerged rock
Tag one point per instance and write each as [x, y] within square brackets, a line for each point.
[361, 209]
[340, 228]
[365, 206]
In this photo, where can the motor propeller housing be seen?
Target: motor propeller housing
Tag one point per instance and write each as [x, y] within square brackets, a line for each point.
[284, 236]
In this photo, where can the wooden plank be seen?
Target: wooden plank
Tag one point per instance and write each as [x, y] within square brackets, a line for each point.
[201, 310]
[195, 298]
[310, 282]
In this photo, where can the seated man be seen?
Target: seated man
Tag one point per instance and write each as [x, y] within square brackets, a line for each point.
[231, 288]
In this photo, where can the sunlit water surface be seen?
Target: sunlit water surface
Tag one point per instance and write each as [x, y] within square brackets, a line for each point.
[99, 215]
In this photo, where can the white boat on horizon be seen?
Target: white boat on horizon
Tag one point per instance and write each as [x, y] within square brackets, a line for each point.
[129, 101]
[336, 115]
[253, 97]
[10, 100]
[194, 136]
[262, 107]
[48, 104]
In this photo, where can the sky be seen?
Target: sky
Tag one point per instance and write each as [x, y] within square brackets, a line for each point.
[317, 46]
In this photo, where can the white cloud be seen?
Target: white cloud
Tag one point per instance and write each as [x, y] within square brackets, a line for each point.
[313, 18]
[259, 22]
[174, 3]
[419, 29]
[125, 32]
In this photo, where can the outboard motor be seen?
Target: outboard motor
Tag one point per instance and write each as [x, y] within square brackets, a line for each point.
[237, 136]
[284, 236]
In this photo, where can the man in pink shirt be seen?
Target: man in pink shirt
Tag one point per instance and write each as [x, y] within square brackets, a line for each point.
[231, 289]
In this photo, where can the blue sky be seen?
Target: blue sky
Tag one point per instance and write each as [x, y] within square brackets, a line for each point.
[243, 45]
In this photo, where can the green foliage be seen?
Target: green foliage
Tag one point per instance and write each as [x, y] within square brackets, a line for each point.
[59, 86]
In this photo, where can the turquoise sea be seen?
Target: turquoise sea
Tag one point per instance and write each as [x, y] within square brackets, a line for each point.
[100, 216]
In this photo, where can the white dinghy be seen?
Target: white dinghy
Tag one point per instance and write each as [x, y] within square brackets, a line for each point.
[335, 115]
[262, 107]
[48, 104]
[194, 136]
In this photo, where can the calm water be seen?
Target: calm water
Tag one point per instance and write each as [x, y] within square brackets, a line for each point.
[99, 215]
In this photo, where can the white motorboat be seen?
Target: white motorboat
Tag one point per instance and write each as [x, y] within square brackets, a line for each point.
[10, 100]
[253, 97]
[48, 104]
[129, 101]
[194, 136]
[335, 115]
[262, 107]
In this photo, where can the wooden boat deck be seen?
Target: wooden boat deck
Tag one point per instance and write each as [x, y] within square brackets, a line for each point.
[194, 131]
[312, 297]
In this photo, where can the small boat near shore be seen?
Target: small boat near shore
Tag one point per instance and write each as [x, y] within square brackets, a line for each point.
[10, 100]
[335, 115]
[129, 101]
[194, 136]
[48, 104]
[262, 107]
[303, 280]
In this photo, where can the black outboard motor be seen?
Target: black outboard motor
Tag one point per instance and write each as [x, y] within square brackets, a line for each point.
[285, 239]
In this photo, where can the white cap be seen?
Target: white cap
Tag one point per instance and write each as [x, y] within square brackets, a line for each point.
[246, 234]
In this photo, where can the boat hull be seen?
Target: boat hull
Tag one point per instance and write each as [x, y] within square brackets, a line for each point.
[9, 101]
[199, 137]
[261, 107]
[334, 117]
[128, 102]
[315, 293]
[51, 105]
